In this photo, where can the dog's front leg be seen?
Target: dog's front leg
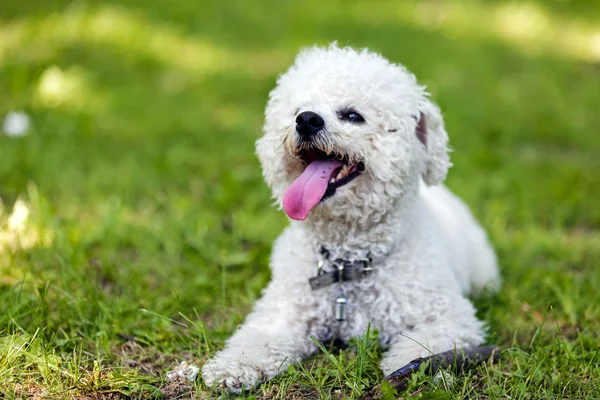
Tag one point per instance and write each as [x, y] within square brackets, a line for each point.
[273, 337]
[457, 327]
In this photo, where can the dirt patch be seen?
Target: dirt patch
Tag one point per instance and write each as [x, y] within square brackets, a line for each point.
[178, 388]
[294, 392]
[29, 391]
[32, 391]
[149, 361]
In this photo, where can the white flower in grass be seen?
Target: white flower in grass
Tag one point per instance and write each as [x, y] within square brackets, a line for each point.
[16, 123]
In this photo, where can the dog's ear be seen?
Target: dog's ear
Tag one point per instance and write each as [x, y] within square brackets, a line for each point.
[431, 133]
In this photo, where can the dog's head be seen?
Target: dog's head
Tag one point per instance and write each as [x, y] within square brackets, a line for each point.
[347, 134]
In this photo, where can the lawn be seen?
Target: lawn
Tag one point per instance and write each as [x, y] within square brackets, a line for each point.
[135, 227]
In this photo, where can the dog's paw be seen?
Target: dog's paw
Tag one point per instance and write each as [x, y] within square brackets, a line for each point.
[232, 375]
[401, 353]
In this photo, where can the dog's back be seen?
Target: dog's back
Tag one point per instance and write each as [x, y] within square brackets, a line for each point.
[473, 260]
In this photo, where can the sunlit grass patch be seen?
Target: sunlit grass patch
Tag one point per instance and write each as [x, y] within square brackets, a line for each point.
[17, 228]
[66, 89]
[130, 33]
[526, 26]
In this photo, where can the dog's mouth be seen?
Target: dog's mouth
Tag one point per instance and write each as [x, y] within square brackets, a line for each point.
[323, 175]
[341, 175]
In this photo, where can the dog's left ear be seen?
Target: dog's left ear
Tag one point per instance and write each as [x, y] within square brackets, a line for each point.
[431, 133]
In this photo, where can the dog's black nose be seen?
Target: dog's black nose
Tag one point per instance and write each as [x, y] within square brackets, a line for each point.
[308, 123]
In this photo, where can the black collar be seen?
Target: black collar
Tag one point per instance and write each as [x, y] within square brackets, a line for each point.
[344, 270]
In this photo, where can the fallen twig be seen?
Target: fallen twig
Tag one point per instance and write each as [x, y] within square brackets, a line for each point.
[456, 360]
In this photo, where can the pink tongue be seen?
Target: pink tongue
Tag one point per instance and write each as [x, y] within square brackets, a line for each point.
[308, 189]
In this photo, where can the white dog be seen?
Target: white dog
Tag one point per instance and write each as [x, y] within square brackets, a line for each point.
[355, 152]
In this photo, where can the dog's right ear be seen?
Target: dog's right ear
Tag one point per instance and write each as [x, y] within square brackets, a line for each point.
[432, 135]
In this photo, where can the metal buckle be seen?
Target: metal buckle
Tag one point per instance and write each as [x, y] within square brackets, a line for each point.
[320, 268]
[367, 269]
[340, 268]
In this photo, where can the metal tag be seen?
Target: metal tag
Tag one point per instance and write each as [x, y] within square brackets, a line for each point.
[340, 307]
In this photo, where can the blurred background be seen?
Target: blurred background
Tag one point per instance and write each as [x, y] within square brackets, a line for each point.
[128, 178]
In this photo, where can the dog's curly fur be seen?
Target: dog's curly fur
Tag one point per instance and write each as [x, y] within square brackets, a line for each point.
[428, 251]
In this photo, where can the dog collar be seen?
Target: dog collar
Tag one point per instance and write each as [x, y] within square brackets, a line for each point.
[343, 270]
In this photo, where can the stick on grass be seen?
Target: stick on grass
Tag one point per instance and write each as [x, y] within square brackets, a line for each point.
[456, 360]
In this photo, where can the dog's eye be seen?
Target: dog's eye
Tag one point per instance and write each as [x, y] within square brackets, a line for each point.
[351, 116]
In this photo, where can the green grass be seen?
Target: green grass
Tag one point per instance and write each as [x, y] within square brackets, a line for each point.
[149, 218]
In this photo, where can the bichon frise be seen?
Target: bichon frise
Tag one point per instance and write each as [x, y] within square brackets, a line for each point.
[356, 152]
